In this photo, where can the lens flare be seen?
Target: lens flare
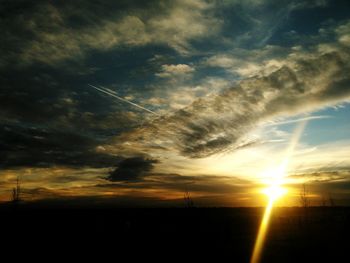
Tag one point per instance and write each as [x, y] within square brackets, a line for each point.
[274, 191]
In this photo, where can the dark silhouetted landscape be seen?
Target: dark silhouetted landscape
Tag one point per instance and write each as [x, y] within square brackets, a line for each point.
[319, 234]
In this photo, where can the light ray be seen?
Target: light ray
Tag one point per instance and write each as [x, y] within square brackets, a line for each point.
[260, 240]
[275, 191]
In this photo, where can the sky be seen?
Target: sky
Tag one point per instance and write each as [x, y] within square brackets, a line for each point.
[225, 86]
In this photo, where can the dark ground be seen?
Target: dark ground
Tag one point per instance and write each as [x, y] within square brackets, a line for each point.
[319, 234]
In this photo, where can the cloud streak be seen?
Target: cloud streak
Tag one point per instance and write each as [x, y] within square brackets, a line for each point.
[215, 124]
[122, 99]
[69, 31]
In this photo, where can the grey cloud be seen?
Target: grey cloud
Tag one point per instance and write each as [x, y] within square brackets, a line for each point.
[248, 63]
[329, 175]
[215, 124]
[174, 70]
[45, 98]
[39, 31]
[132, 169]
[326, 184]
[200, 183]
[49, 118]
[28, 146]
[208, 184]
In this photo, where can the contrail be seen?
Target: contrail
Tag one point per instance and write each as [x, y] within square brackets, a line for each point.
[111, 93]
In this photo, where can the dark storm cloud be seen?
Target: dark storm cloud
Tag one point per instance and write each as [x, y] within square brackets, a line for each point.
[132, 169]
[45, 147]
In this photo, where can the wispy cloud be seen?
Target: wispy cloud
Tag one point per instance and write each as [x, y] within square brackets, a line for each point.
[308, 118]
[174, 70]
[224, 77]
[57, 33]
[211, 125]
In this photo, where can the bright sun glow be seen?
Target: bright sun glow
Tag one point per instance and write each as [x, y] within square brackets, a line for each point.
[274, 179]
[274, 192]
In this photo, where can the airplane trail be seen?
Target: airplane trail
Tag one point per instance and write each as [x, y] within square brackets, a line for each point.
[122, 99]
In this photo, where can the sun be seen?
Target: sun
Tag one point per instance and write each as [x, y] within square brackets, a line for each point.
[275, 178]
[274, 192]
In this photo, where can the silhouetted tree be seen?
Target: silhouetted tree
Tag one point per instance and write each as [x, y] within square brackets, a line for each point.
[304, 202]
[323, 201]
[303, 197]
[188, 200]
[331, 200]
[16, 191]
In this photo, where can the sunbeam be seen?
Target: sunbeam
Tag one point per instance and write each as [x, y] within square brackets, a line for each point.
[274, 191]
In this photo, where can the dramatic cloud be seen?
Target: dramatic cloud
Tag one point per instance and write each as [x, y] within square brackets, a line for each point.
[132, 169]
[174, 70]
[212, 125]
[42, 147]
[343, 33]
[248, 63]
[65, 30]
[222, 75]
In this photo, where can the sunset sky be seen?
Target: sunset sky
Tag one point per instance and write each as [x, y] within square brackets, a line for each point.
[226, 86]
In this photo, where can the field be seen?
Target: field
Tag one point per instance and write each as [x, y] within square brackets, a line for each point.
[315, 234]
